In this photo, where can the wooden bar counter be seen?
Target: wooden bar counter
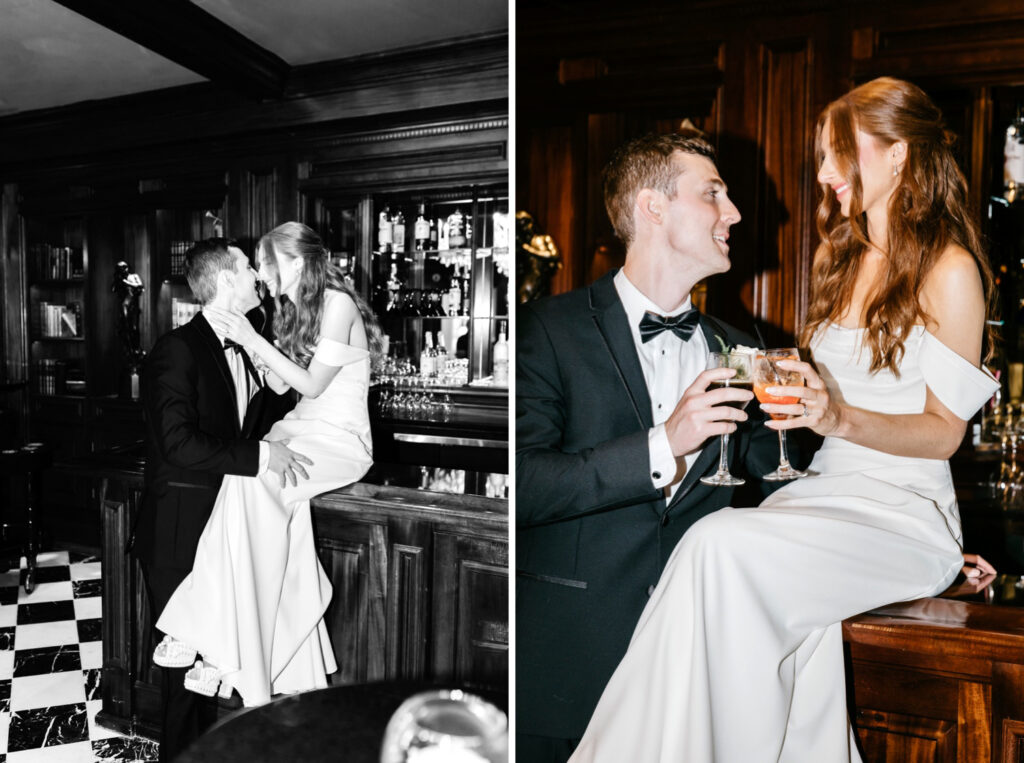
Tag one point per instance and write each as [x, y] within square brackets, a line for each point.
[942, 679]
[420, 587]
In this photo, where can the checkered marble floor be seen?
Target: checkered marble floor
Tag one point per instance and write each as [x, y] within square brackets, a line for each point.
[50, 660]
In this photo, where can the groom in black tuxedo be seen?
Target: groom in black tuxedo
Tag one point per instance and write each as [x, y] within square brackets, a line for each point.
[615, 425]
[205, 410]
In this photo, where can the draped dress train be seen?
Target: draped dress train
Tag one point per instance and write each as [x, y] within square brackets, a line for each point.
[737, 657]
[254, 602]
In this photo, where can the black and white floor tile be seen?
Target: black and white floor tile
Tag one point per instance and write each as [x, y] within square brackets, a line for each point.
[50, 660]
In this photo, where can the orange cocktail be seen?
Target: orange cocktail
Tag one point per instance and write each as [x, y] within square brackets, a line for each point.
[767, 373]
[770, 375]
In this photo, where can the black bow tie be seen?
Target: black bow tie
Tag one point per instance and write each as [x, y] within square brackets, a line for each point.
[681, 325]
[230, 344]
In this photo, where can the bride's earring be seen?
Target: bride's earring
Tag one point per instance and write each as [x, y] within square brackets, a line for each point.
[895, 169]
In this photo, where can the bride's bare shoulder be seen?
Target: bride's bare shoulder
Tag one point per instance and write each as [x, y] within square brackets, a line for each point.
[953, 299]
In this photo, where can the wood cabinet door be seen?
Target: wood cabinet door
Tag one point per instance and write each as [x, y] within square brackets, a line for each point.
[470, 629]
[906, 715]
[354, 555]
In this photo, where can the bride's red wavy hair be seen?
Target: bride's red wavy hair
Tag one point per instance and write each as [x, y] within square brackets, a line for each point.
[928, 211]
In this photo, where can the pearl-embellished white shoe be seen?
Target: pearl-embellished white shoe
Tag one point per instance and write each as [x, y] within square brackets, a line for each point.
[171, 653]
[205, 680]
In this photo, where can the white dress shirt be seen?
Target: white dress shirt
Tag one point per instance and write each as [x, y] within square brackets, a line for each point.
[670, 365]
[245, 388]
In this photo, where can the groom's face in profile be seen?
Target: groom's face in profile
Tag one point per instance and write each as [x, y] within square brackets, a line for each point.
[243, 296]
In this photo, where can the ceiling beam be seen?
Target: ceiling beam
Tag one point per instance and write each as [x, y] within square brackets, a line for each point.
[191, 37]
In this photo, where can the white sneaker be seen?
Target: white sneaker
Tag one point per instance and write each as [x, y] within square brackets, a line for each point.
[205, 680]
[171, 653]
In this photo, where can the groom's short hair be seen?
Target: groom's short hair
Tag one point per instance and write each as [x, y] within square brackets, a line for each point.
[647, 162]
[203, 262]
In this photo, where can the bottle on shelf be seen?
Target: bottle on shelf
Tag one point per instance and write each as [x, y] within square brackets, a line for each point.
[456, 227]
[394, 299]
[453, 300]
[421, 230]
[1013, 158]
[398, 232]
[384, 230]
[500, 356]
[427, 367]
[441, 355]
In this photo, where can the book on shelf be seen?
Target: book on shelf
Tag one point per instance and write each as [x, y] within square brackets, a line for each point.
[51, 374]
[56, 263]
[60, 321]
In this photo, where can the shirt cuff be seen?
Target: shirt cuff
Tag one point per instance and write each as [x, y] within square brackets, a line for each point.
[264, 457]
[663, 463]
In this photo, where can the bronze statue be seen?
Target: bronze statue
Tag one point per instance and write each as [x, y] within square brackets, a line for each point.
[128, 287]
[537, 259]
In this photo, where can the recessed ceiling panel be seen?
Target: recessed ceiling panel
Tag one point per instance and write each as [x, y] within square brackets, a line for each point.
[51, 56]
[307, 31]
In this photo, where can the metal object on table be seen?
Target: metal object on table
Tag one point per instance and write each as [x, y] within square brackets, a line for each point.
[26, 462]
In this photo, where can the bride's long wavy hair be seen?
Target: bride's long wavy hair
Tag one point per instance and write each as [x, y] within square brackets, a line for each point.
[928, 211]
[297, 324]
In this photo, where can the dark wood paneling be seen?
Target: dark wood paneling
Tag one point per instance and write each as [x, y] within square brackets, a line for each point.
[14, 314]
[784, 211]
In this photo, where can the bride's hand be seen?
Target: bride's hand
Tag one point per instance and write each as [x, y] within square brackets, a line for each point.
[975, 566]
[816, 410]
[232, 324]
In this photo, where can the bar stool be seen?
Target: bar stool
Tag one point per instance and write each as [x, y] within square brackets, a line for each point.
[24, 465]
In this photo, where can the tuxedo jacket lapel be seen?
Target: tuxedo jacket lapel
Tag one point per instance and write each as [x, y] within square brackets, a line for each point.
[609, 317]
[709, 454]
[216, 350]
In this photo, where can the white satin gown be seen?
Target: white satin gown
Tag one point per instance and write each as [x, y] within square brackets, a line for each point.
[738, 656]
[254, 602]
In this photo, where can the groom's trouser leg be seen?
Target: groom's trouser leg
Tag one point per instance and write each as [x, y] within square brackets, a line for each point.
[538, 749]
[180, 721]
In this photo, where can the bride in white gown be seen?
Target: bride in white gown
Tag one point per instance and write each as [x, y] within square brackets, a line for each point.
[253, 605]
[737, 657]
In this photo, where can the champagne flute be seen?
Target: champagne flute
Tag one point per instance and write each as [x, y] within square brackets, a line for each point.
[767, 373]
[741, 363]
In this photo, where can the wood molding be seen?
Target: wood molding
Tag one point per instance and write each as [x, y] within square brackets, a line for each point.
[186, 34]
[430, 83]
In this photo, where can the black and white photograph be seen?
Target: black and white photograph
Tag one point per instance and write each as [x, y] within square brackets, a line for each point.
[254, 397]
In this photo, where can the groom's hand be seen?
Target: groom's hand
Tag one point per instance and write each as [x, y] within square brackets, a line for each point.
[702, 413]
[286, 462]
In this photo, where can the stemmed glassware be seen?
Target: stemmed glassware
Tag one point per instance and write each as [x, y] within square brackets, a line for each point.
[742, 365]
[767, 373]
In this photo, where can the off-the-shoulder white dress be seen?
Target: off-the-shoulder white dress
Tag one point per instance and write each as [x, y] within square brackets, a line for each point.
[254, 602]
[738, 656]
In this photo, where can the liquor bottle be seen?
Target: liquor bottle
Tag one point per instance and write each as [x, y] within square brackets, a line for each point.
[394, 290]
[464, 281]
[1013, 158]
[433, 236]
[454, 301]
[398, 232]
[441, 363]
[442, 235]
[384, 230]
[455, 224]
[421, 230]
[501, 358]
[427, 368]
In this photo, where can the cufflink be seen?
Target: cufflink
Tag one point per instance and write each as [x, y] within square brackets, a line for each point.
[656, 475]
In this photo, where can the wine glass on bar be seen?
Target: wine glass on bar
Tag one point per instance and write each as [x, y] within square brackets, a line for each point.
[742, 365]
[767, 373]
